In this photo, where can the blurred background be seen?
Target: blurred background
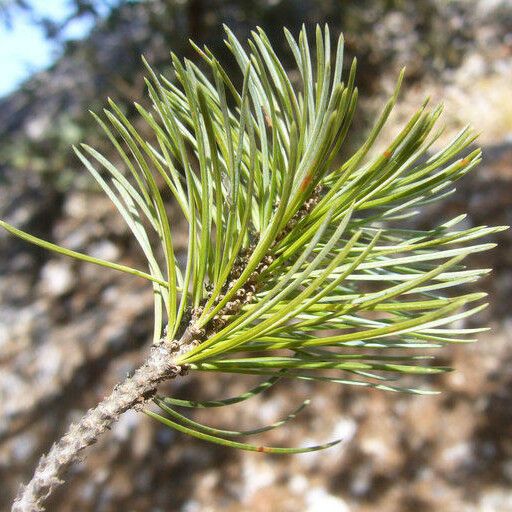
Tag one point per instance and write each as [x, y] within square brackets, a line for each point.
[69, 332]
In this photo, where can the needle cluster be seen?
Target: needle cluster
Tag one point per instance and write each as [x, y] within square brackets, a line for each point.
[298, 263]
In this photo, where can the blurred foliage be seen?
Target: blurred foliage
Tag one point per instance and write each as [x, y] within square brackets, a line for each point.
[49, 112]
[9, 8]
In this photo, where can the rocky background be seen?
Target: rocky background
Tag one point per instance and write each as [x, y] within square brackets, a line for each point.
[69, 331]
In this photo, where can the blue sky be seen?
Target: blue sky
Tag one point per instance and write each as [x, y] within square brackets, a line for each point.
[24, 49]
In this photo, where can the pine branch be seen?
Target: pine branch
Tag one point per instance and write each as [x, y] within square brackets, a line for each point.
[296, 267]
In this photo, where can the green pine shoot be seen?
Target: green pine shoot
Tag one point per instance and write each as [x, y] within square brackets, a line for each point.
[298, 265]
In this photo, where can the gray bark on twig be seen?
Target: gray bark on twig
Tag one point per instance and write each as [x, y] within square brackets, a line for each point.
[132, 392]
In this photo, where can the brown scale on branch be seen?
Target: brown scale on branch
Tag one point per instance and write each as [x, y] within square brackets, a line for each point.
[301, 213]
[246, 293]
